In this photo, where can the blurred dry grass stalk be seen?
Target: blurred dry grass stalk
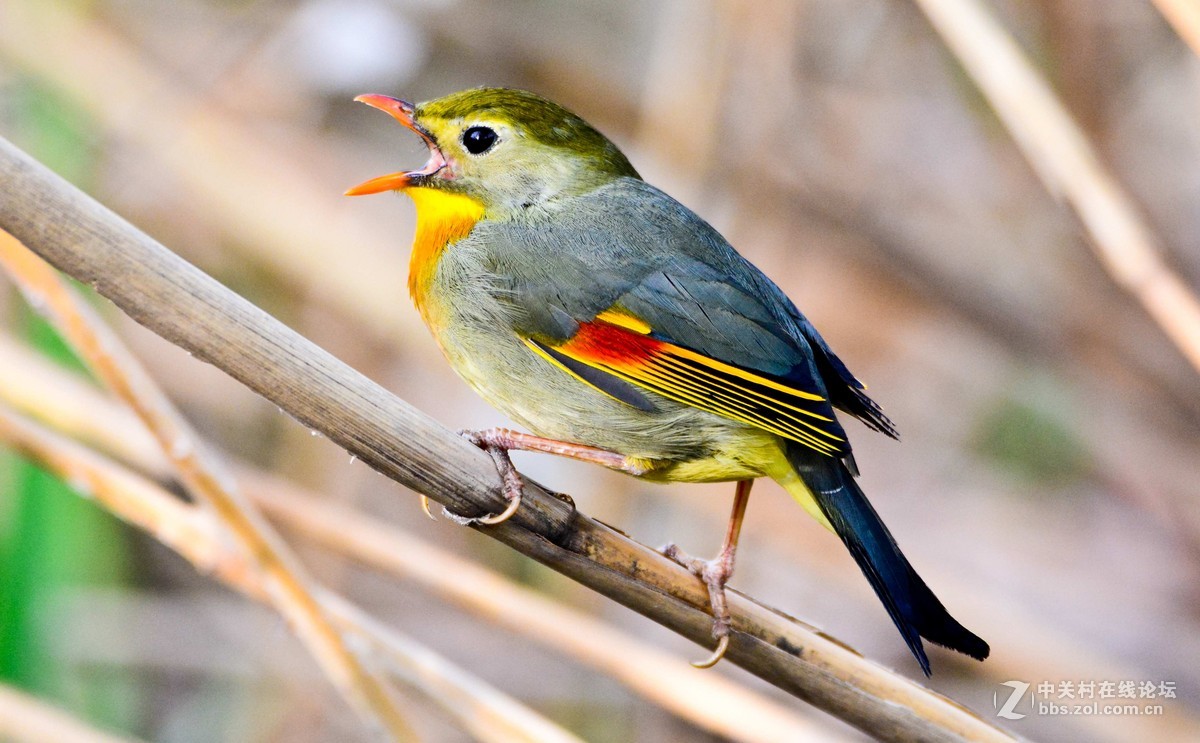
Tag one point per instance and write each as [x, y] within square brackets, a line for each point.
[1184, 16]
[486, 713]
[27, 719]
[225, 536]
[47, 393]
[1060, 152]
[285, 583]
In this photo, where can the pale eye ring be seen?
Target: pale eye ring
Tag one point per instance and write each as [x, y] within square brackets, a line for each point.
[479, 139]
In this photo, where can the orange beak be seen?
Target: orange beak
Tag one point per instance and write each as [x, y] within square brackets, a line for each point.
[403, 112]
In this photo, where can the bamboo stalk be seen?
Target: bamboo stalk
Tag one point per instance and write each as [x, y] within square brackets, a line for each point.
[58, 397]
[63, 400]
[189, 308]
[709, 701]
[286, 584]
[1065, 160]
[483, 711]
[26, 719]
[1184, 17]
[39, 388]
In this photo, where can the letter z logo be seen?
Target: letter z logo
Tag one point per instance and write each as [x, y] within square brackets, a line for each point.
[1007, 710]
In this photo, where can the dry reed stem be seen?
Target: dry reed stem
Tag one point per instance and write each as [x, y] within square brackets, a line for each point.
[36, 387]
[65, 401]
[189, 308]
[60, 398]
[26, 719]
[1184, 17]
[285, 581]
[484, 712]
[708, 701]
[191, 532]
[487, 714]
[1064, 159]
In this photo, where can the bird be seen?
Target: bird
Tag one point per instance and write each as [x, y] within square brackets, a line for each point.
[620, 328]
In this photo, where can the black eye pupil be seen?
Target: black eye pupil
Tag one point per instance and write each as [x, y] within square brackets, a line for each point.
[478, 139]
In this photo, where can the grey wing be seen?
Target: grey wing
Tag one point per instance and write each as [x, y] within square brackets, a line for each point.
[628, 245]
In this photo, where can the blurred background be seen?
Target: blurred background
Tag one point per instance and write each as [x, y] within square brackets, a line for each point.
[1046, 485]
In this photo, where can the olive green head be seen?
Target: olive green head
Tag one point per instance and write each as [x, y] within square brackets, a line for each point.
[509, 149]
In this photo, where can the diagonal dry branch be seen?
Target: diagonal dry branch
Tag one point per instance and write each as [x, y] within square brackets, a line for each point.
[189, 308]
[486, 713]
[1059, 151]
[710, 701]
[62, 400]
[287, 587]
[27, 719]
[1184, 17]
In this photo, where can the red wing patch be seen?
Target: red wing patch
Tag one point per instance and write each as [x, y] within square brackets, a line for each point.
[620, 345]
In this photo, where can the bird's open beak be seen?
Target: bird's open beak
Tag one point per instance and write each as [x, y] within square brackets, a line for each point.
[402, 111]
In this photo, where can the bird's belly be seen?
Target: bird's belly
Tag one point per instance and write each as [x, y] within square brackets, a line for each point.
[681, 442]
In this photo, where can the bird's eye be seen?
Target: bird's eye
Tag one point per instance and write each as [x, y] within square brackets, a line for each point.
[479, 139]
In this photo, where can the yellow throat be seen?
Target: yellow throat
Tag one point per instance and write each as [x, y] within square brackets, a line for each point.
[442, 220]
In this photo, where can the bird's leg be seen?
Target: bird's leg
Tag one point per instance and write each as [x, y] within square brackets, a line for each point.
[717, 571]
[498, 442]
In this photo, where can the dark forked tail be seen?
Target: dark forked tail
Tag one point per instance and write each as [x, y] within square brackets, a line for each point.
[912, 606]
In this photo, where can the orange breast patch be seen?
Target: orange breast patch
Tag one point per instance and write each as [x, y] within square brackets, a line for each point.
[442, 219]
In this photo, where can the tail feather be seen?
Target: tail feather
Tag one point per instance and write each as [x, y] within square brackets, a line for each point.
[914, 609]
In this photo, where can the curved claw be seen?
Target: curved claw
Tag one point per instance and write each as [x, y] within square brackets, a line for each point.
[513, 504]
[718, 654]
[496, 443]
[425, 508]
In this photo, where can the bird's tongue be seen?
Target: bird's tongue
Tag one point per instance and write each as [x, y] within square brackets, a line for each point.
[402, 111]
